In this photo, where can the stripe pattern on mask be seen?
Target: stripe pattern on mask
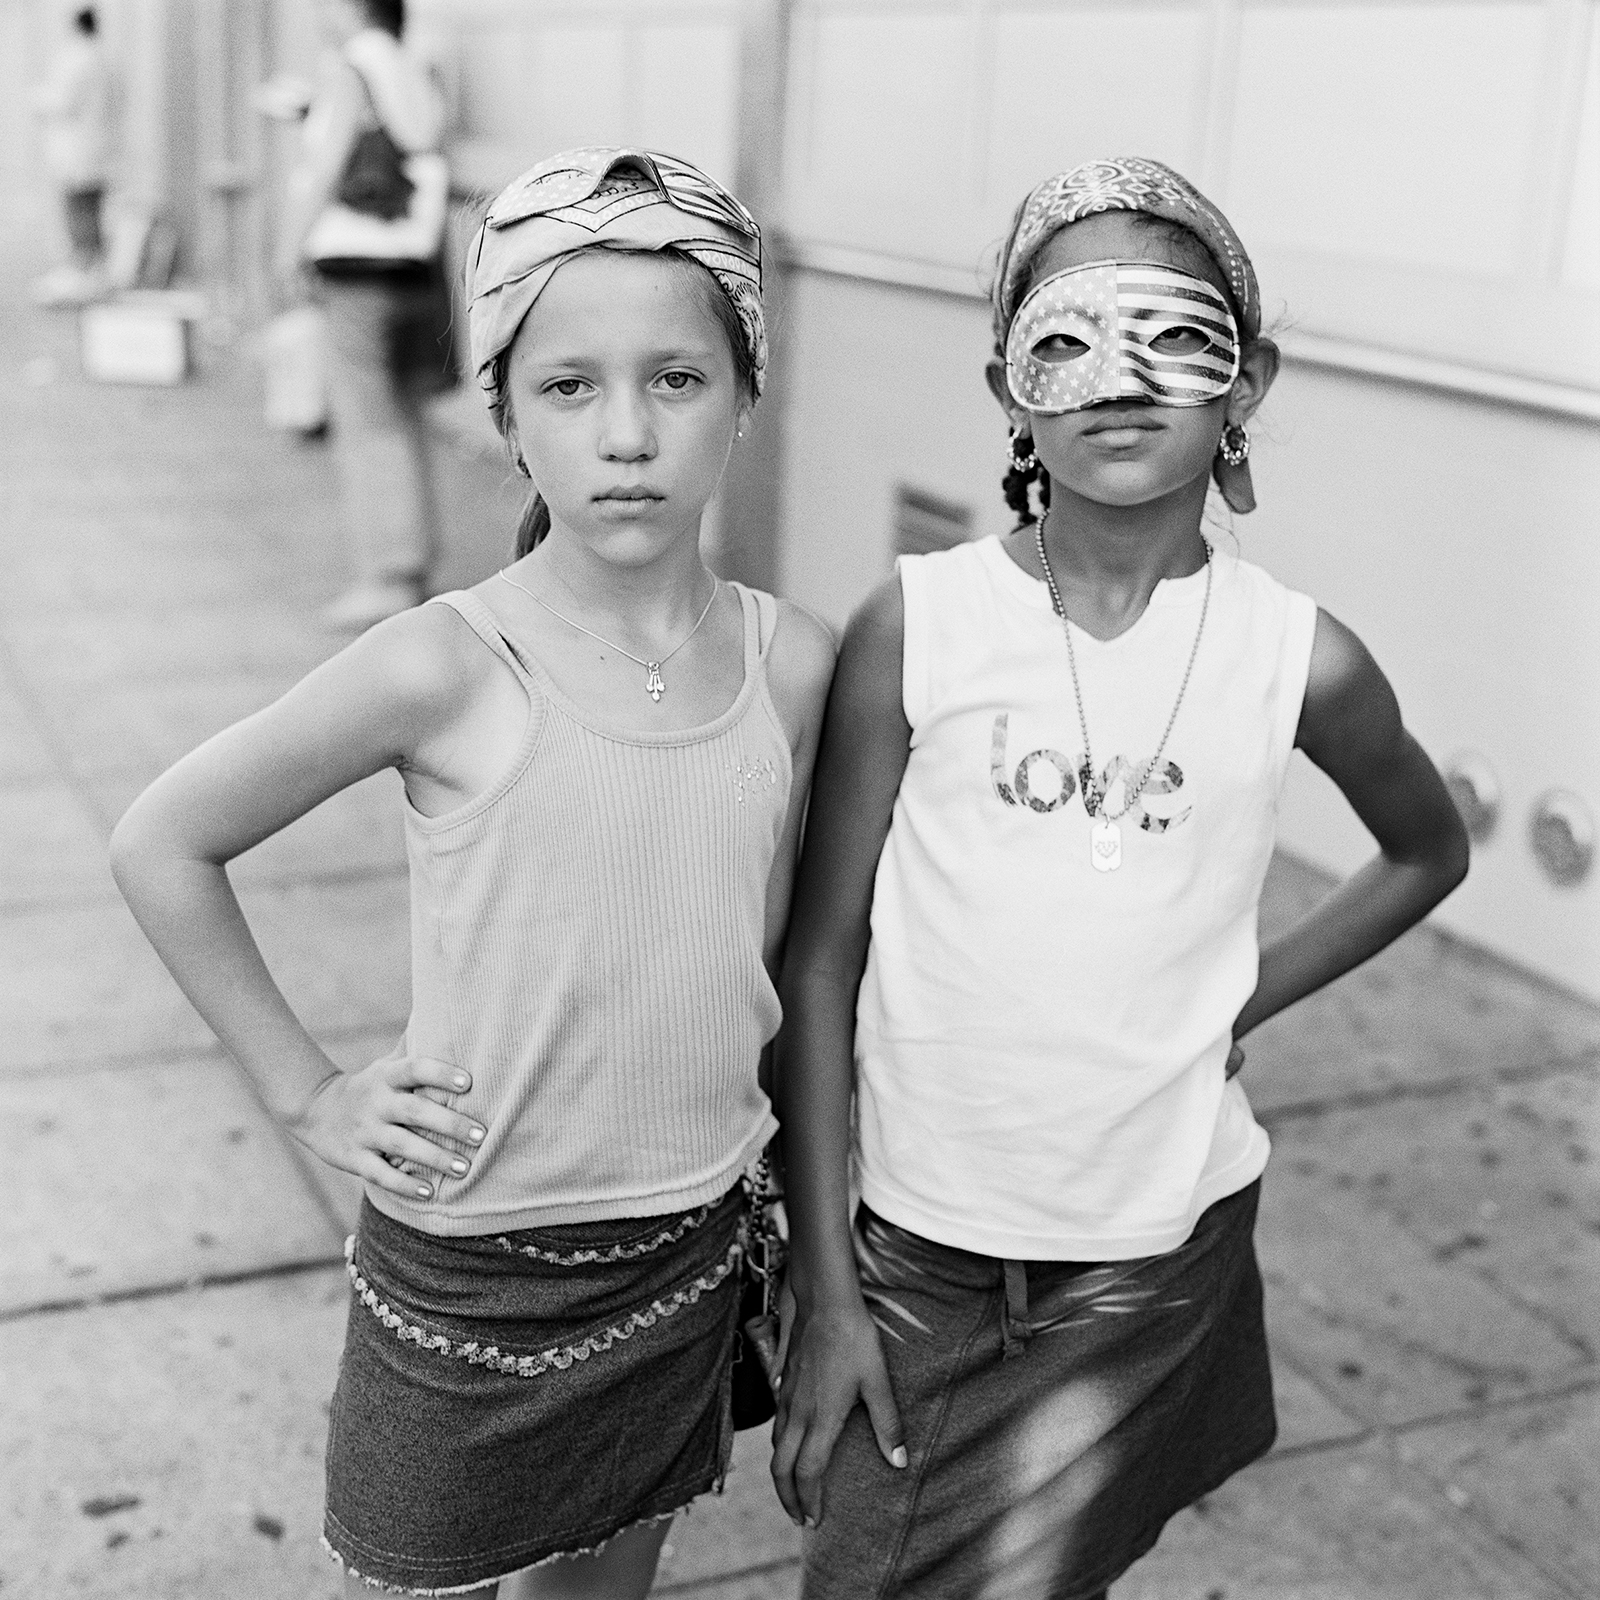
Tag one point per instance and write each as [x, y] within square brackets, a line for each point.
[1118, 310]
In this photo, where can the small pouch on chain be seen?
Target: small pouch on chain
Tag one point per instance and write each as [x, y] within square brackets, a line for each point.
[755, 1368]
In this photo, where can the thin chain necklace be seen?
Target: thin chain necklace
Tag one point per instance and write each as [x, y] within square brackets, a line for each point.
[1105, 838]
[653, 686]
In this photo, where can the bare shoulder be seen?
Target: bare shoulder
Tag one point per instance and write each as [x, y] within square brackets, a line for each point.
[871, 658]
[799, 668]
[1338, 657]
[1348, 699]
[803, 648]
[420, 669]
[398, 690]
[424, 652]
[878, 627]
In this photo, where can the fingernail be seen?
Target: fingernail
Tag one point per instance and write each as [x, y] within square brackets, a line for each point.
[898, 1456]
[810, 1522]
[461, 1080]
[424, 1191]
[458, 1167]
[475, 1135]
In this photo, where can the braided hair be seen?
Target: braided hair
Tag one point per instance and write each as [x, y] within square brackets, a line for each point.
[1024, 469]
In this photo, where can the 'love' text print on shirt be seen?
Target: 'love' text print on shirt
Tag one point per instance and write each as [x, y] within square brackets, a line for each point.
[1045, 780]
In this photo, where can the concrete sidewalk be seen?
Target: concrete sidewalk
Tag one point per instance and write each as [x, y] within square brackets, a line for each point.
[171, 1296]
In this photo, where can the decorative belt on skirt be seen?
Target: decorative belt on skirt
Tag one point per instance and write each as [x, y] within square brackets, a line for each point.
[504, 1400]
[1056, 1413]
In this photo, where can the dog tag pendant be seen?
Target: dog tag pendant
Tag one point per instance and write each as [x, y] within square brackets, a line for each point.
[1105, 846]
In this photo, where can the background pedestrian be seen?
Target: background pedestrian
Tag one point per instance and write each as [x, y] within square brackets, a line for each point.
[366, 215]
[75, 109]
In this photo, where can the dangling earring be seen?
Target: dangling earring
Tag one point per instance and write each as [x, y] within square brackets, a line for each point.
[1234, 446]
[1025, 461]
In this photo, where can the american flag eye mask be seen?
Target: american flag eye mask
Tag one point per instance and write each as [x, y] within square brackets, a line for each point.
[1121, 330]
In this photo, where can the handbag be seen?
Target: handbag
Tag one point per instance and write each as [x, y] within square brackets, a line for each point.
[755, 1358]
[374, 181]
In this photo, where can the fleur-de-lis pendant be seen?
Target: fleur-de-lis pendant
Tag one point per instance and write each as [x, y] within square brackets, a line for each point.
[653, 686]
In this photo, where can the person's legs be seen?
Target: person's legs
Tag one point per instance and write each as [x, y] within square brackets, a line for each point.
[80, 279]
[378, 448]
[84, 234]
[424, 545]
[624, 1570]
[358, 1589]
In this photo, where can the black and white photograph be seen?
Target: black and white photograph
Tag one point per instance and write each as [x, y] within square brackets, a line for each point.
[798, 799]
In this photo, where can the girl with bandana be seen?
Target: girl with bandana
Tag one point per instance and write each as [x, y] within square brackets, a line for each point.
[1024, 942]
[605, 751]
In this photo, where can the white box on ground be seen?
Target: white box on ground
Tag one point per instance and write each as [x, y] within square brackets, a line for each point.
[139, 337]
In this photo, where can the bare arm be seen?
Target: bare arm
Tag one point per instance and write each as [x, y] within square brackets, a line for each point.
[799, 670]
[384, 702]
[834, 1358]
[1350, 726]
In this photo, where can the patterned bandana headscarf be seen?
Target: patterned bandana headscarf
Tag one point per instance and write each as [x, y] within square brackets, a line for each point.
[607, 198]
[1129, 183]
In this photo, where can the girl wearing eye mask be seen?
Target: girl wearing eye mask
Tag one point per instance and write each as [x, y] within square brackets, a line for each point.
[1024, 943]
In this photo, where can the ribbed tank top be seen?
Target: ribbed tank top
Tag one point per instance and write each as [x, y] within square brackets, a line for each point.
[586, 940]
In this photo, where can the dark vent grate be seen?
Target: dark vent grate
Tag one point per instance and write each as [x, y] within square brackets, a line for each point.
[924, 521]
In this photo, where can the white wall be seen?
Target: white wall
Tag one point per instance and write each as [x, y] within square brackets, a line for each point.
[1420, 174]
[1459, 539]
[531, 77]
[881, 387]
[1416, 180]
[30, 229]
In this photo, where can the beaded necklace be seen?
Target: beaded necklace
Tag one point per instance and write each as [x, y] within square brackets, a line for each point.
[1105, 838]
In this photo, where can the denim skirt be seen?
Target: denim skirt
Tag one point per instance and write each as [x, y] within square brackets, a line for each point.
[504, 1400]
[1056, 1413]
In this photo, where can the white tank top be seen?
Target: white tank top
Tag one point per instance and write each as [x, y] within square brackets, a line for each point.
[1040, 1045]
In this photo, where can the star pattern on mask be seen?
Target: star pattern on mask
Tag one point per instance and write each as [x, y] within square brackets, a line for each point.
[1118, 309]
